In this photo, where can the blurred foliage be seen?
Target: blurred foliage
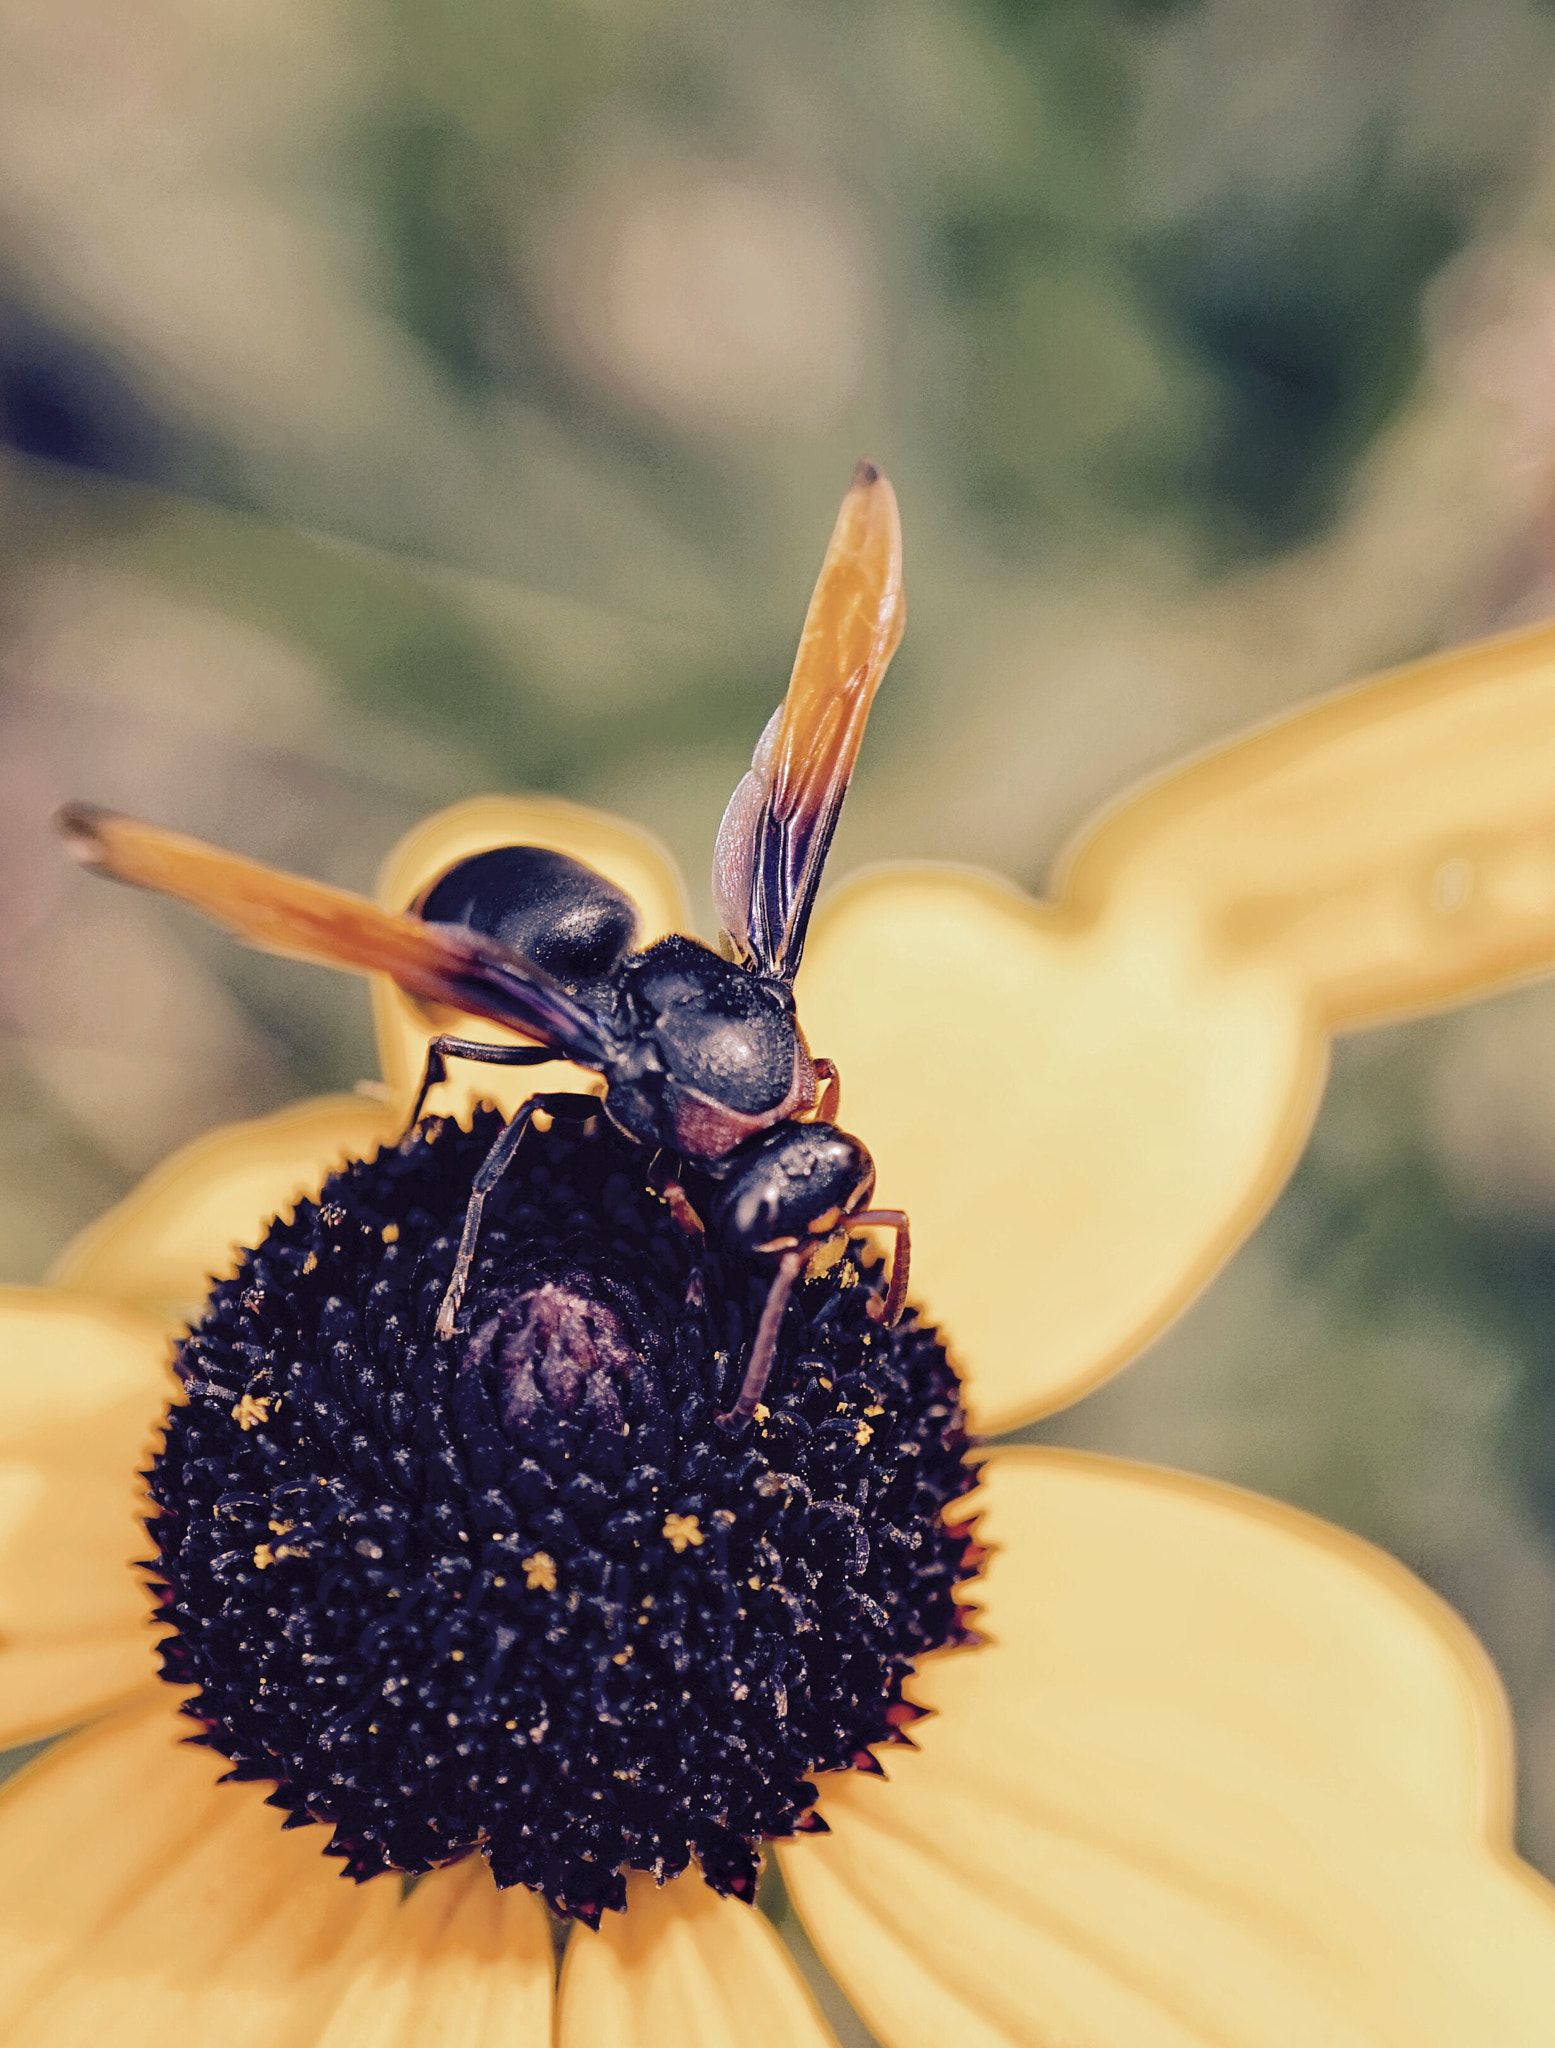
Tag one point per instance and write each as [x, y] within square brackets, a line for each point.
[1307, 319]
[1386, 1238]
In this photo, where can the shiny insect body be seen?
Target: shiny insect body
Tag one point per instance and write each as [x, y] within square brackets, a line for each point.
[702, 1056]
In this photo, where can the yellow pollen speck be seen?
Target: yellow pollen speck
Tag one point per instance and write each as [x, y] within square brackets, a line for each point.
[372, 1727]
[510, 1724]
[251, 1409]
[763, 1412]
[391, 1233]
[824, 1383]
[499, 1580]
[311, 1263]
[457, 1656]
[540, 1573]
[622, 1657]
[754, 1584]
[263, 1556]
[282, 1528]
[681, 1530]
[827, 1257]
[874, 1409]
[863, 1433]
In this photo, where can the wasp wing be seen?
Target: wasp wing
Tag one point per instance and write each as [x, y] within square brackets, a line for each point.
[773, 842]
[284, 913]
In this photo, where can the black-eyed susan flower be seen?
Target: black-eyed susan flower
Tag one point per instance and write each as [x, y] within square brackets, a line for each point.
[1216, 1773]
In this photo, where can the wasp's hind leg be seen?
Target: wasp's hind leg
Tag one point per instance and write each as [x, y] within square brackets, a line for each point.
[441, 1050]
[575, 1108]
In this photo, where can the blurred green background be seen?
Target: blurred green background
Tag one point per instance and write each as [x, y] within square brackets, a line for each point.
[403, 400]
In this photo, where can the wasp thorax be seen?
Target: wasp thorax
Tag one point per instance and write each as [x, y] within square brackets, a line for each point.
[517, 1594]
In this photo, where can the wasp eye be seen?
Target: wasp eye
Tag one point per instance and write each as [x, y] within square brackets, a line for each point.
[552, 909]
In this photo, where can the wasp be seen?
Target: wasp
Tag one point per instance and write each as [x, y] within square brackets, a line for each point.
[703, 1059]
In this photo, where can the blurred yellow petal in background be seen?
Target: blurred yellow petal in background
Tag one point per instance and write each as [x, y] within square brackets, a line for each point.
[82, 1385]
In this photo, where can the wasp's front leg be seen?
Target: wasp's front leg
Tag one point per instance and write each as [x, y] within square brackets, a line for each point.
[901, 1258]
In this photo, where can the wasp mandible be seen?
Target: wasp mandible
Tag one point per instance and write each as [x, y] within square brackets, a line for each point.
[702, 1055]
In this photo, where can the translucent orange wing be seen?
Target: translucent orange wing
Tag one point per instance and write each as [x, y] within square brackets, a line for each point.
[311, 921]
[778, 828]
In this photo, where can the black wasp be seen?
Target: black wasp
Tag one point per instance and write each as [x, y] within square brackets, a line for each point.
[702, 1055]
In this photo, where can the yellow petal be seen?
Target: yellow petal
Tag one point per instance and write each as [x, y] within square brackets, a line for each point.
[82, 1385]
[1117, 1130]
[143, 1905]
[159, 1248]
[1225, 1775]
[631, 858]
[1085, 1106]
[683, 1968]
[463, 1966]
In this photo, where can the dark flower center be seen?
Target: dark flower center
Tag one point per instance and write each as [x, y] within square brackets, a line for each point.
[516, 1593]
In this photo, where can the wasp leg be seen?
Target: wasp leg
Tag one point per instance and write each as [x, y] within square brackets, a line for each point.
[441, 1050]
[829, 1104]
[491, 1170]
[762, 1352]
[677, 1201]
[680, 1207]
[901, 1258]
[576, 1108]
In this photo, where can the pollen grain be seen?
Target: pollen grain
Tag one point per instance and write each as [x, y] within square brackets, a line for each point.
[682, 1532]
[540, 1572]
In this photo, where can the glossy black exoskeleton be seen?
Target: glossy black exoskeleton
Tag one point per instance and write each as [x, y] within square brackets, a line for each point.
[704, 1064]
[564, 917]
[701, 1053]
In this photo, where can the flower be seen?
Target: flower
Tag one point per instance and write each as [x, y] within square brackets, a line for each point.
[1221, 1773]
[630, 1706]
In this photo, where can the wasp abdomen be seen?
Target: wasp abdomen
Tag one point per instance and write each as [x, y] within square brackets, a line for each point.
[569, 920]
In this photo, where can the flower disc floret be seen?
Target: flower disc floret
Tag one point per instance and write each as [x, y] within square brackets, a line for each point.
[516, 1593]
